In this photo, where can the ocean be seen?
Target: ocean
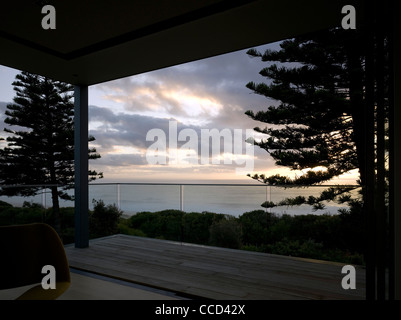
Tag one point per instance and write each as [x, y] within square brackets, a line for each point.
[219, 198]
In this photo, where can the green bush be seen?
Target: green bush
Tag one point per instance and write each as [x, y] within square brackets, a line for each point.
[165, 224]
[103, 221]
[124, 228]
[196, 226]
[327, 237]
[297, 248]
[15, 215]
[66, 217]
[226, 233]
[145, 221]
[353, 234]
[248, 247]
[4, 204]
[33, 205]
[175, 225]
[170, 223]
[257, 227]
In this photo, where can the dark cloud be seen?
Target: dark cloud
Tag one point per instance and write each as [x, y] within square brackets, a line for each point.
[128, 129]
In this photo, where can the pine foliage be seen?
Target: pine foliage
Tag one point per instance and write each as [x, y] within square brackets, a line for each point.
[40, 142]
[318, 81]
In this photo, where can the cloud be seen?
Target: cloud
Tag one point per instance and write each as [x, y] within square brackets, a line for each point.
[121, 129]
[122, 141]
[205, 92]
[202, 95]
[111, 129]
[121, 160]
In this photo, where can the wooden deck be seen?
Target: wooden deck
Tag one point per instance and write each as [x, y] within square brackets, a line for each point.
[213, 273]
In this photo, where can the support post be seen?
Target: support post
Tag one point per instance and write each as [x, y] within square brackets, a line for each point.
[81, 166]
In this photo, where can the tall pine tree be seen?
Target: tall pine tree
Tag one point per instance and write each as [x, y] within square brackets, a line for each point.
[40, 149]
[319, 121]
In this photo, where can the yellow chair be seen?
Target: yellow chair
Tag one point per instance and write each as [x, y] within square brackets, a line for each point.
[24, 251]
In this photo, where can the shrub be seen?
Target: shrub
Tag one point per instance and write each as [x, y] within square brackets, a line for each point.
[145, 221]
[297, 248]
[226, 233]
[281, 228]
[32, 205]
[196, 226]
[256, 227]
[124, 228]
[15, 215]
[170, 222]
[165, 224]
[103, 221]
[4, 204]
[254, 248]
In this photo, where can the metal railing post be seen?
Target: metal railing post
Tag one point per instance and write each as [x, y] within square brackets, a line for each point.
[44, 197]
[118, 197]
[181, 197]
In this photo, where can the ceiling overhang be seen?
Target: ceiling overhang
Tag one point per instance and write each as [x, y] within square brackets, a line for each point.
[98, 41]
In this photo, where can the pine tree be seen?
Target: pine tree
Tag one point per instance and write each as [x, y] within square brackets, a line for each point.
[40, 150]
[319, 121]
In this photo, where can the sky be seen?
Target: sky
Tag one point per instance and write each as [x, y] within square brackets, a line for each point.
[129, 116]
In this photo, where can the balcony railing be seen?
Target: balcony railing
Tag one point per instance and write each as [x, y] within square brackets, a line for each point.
[226, 198]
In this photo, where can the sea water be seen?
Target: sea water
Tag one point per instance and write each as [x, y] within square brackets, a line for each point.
[219, 198]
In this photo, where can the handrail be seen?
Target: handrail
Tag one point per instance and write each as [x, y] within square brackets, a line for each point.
[183, 184]
[225, 184]
[181, 187]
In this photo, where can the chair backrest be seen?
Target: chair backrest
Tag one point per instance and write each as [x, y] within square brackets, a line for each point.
[25, 250]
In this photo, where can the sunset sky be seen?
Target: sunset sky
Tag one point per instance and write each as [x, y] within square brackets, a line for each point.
[205, 94]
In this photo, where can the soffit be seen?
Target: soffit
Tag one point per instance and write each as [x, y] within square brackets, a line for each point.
[97, 41]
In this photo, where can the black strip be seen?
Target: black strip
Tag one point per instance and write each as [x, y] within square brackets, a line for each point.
[369, 189]
[390, 28]
[381, 216]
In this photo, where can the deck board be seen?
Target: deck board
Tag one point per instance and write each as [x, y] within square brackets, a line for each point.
[213, 273]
